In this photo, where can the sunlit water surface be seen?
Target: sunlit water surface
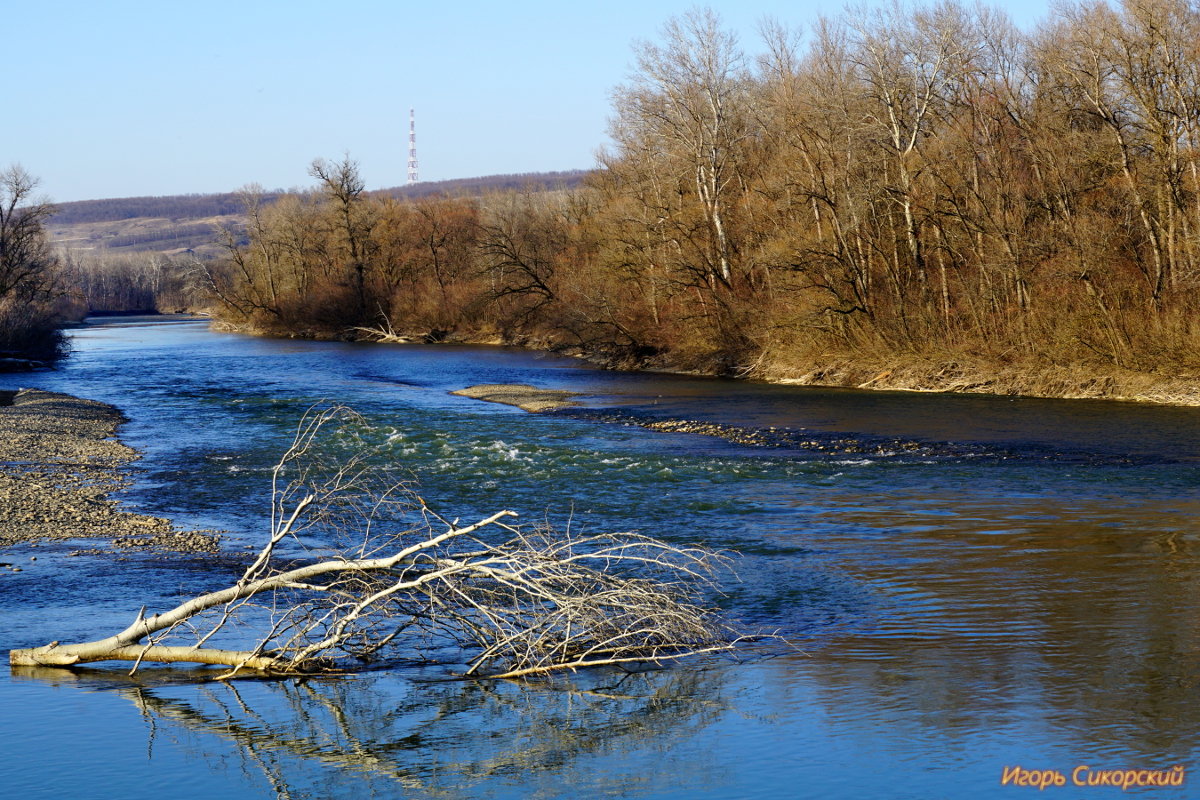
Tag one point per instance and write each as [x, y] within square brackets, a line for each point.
[975, 582]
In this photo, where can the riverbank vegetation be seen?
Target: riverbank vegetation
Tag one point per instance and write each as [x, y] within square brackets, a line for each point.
[33, 288]
[920, 196]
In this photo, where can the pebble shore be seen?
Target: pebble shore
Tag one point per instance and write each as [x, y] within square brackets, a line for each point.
[59, 464]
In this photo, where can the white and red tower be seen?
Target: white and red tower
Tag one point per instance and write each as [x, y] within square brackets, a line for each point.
[412, 147]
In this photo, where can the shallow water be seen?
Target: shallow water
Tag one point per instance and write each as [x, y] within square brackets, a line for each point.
[976, 582]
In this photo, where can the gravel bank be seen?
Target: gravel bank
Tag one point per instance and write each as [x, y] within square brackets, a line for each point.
[521, 395]
[59, 463]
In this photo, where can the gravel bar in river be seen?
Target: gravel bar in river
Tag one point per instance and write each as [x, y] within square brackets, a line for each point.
[522, 395]
[59, 462]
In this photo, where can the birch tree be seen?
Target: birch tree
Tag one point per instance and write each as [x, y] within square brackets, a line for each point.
[687, 100]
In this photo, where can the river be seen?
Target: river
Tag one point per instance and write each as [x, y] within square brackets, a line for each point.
[974, 583]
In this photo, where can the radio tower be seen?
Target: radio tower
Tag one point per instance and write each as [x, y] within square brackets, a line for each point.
[412, 147]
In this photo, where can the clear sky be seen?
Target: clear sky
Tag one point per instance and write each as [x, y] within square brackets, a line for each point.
[125, 98]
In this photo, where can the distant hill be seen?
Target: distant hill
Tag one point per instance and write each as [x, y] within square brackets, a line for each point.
[179, 207]
[183, 207]
[491, 183]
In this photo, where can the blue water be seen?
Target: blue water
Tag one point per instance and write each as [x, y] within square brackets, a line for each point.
[975, 582]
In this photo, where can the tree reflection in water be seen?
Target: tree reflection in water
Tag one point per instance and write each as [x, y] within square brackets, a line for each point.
[383, 735]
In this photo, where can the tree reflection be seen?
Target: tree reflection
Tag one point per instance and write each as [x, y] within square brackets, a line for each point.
[383, 735]
[1070, 622]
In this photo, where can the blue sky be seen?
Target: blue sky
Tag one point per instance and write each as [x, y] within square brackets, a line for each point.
[119, 99]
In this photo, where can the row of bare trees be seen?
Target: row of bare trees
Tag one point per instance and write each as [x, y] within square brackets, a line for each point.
[924, 179]
[107, 283]
[928, 177]
[335, 258]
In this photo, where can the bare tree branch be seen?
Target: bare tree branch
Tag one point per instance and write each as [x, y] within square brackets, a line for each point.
[515, 601]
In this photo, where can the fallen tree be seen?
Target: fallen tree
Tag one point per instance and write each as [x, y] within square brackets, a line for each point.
[403, 579]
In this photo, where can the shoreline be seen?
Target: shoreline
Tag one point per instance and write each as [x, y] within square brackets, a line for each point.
[943, 374]
[951, 376]
[60, 464]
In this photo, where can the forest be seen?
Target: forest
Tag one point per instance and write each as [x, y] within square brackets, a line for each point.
[922, 188]
[926, 185]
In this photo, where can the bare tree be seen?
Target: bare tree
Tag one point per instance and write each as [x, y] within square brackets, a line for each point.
[687, 104]
[343, 186]
[31, 279]
[25, 256]
[404, 579]
[522, 241]
[909, 64]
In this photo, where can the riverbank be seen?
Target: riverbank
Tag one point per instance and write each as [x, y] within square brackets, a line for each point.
[941, 372]
[914, 372]
[59, 466]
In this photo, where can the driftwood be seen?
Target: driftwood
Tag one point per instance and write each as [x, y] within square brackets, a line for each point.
[515, 602]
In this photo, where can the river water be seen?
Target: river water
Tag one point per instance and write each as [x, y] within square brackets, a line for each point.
[975, 583]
